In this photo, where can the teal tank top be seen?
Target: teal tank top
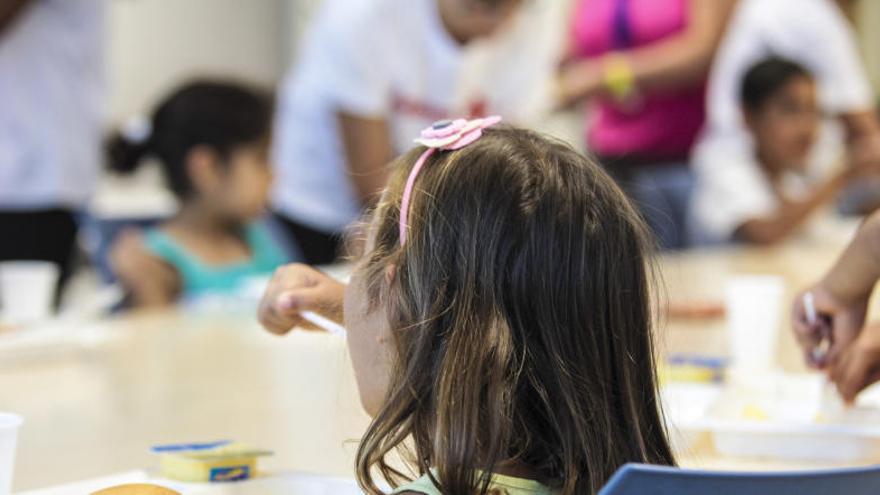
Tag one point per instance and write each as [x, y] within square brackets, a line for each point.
[199, 278]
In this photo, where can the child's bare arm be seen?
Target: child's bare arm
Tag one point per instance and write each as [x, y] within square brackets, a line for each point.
[841, 297]
[863, 136]
[791, 216]
[854, 358]
[857, 270]
[367, 144]
[149, 281]
[859, 365]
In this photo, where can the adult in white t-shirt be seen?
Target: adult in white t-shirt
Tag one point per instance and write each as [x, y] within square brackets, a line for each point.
[730, 185]
[51, 89]
[372, 74]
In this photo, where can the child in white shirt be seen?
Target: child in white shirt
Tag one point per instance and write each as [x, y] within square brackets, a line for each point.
[771, 196]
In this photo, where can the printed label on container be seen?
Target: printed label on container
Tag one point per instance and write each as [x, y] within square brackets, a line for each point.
[230, 473]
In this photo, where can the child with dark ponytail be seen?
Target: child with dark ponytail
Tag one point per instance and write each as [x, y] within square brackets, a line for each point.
[211, 140]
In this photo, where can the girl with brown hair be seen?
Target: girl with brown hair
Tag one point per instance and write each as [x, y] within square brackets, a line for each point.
[500, 322]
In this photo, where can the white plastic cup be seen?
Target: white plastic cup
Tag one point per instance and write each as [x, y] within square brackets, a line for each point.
[754, 307]
[27, 290]
[9, 424]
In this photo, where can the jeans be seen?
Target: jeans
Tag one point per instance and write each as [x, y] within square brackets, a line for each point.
[662, 194]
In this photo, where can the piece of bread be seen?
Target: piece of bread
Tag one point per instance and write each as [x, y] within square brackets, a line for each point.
[136, 489]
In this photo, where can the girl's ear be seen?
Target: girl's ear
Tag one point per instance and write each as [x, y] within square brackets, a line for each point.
[390, 272]
[203, 169]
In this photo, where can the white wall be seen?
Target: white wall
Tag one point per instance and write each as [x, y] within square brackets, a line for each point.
[154, 45]
[298, 14]
[867, 18]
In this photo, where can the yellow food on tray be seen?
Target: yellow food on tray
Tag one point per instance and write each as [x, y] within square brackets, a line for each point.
[754, 412]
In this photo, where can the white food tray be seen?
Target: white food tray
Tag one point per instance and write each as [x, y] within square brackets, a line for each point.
[778, 417]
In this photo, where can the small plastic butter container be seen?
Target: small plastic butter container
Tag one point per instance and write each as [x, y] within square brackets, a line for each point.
[212, 462]
[687, 368]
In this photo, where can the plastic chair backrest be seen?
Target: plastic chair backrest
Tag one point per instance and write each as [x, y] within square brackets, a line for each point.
[643, 479]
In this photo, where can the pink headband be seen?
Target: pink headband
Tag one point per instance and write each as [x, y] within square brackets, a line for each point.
[444, 135]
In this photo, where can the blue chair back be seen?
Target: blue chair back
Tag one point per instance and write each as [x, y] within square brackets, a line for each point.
[642, 479]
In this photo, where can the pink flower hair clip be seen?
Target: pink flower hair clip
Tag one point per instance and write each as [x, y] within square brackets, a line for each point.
[444, 135]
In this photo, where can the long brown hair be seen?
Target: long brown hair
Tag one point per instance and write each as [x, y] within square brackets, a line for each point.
[521, 319]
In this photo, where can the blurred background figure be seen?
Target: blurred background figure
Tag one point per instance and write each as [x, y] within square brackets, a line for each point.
[212, 141]
[729, 179]
[780, 105]
[371, 74]
[734, 124]
[358, 78]
[51, 116]
[642, 65]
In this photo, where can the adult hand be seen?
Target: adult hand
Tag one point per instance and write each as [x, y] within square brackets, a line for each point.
[296, 288]
[858, 366]
[837, 322]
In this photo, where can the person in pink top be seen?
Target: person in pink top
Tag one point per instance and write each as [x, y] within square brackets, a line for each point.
[642, 65]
